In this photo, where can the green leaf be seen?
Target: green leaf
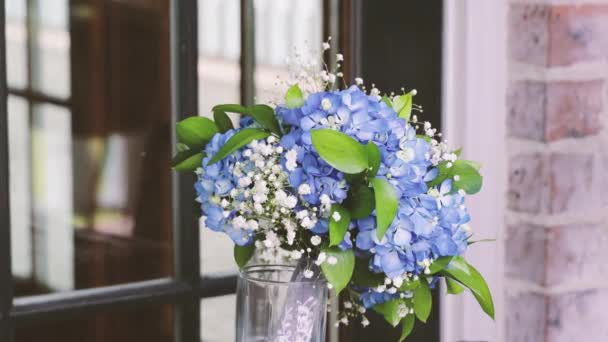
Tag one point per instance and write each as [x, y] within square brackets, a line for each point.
[339, 274]
[403, 105]
[443, 174]
[373, 158]
[294, 97]
[469, 178]
[187, 161]
[410, 285]
[468, 276]
[360, 201]
[440, 263]
[363, 276]
[230, 108]
[264, 115]
[453, 286]
[242, 254]
[387, 100]
[240, 139]
[195, 130]
[337, 229]
[481, 241]
[222, 120]
[390, 311]
[340, 150]
[407, 325]
[423, 301]
[386, 204]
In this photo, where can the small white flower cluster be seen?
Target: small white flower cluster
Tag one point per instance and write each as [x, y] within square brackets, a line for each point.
[351, 310]
[265, 204]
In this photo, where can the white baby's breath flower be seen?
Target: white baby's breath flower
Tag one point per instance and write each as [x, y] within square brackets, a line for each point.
[325, 199]
[308, 274]
[336, 216]
[339, 57]
[326, 104]
[321, 259]
[358, 81]
[325, 46]
[332, 260]
[304, 189]
[315, 240]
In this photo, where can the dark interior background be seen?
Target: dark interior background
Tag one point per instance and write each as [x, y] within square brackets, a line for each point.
[401, 46]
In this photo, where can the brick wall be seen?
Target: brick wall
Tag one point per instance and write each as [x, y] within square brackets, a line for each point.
[557, 217]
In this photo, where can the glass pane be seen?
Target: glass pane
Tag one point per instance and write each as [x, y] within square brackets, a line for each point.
[16, 47]
[150, 324]
[219, 77]
[91, 184]
[218, 319]
[51, 47]
[296, 28]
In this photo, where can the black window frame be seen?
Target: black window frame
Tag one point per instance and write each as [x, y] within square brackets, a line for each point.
[187, 287]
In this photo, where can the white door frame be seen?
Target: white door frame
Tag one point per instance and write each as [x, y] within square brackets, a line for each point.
[474, 118]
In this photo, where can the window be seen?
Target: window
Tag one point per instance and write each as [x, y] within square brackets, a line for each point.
[100, 239]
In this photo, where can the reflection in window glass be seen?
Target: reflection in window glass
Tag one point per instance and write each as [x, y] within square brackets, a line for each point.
[91, 179]
[16, 50]
[150, 324]
[51, 53]
[19, 153]
[296, 27]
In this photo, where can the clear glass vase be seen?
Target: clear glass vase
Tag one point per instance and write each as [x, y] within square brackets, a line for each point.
[276, 304]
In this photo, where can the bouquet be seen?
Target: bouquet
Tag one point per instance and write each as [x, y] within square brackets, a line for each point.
[344, 179]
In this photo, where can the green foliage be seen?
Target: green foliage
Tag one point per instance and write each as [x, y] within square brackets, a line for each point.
[363, 276]
[452, 286]
[223, 122]
[262, 114]
[423, 301]
[339, 274]
[390, 311]
[294, 97]
[242, 254]
[440, 263]
[340, 150]
[337, 229]
[195, 130]
[373, 158]
[407, 325]
[468, 276]
[403, 105]
[360, 201]
[386, 204]
[469, 178]
[240, 139]
[187, 161]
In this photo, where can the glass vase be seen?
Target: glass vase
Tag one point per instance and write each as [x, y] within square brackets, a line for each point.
[276, 304]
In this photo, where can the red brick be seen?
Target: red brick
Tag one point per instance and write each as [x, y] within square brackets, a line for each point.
[526, 103]
[529, 33]
[525, 253]
[526, 318]
[573, 109]
[571, 184]
[579, 316]
[576, 253]
[527, 183]
[578, 34]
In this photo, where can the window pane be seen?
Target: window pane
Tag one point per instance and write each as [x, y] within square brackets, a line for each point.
[219, 77]
[51, 47]
[149, 324]
[218, 319]
[16, 50]
[91, 183]
[296, 28]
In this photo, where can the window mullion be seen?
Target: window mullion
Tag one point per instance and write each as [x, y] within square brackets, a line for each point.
[186, 235]
[6, 277]
[247, 60]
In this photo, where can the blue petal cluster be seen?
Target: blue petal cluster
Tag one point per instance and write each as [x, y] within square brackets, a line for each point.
[216, 182]
[428, 223]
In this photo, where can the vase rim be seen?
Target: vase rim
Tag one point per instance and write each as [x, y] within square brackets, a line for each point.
[247, 273]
